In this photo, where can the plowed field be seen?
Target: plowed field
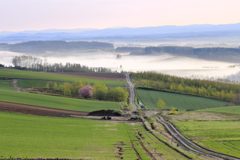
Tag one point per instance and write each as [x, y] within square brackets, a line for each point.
[36, 110]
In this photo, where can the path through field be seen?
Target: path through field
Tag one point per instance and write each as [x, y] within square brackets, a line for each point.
[132, 95]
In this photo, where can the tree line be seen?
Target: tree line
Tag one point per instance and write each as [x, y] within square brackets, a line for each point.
[31, 63]
[210, 53]
[204, 88]
[97, 91]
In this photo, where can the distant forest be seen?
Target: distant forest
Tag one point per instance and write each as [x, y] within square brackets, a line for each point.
[55, 46]
[213, 53]
[31, 63]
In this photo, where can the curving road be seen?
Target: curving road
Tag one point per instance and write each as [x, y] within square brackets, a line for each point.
[132, 94]
[191, 145]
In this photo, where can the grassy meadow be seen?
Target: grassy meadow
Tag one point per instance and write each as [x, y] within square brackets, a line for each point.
[179, 101]
[29, 136]
[10, 73]
[230, 110]
[56, 102]
[6, 85]
[222, 135]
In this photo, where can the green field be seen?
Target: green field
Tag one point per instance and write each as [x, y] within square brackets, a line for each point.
[179, 101]
[221, 136]
[29, 136]
[56, 102]
[10, 73]
[6, 85]
[230, 110]
[34, 83]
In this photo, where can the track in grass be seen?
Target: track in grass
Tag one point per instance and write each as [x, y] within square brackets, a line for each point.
[220, 136]
[10, 73]
[56, 102]
[179, 101]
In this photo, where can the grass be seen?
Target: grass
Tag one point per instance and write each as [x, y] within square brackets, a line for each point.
[10, 73]
[159, 149]
[6, 85]
[230, 110]
[179, 101]
[56, 102]
[220, 136]
[34, 83]
[52, 137]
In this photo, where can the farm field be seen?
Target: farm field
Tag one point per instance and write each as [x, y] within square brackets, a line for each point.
[10, 73]
[229, 109]
[28, 136]
[179, 101]
[56, 102]
[6, 85]
[222, 135]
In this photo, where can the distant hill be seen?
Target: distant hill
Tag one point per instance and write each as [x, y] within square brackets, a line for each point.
[55, 46]
[162, 31]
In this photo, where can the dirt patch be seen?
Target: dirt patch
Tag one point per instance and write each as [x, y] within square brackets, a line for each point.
[104, 113]
[103, 76]
[36, 110]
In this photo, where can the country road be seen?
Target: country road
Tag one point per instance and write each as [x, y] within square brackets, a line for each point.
[132, 94]
[191, 145]
[176, 134]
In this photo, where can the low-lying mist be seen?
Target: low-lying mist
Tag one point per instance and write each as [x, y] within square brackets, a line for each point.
[168, 64]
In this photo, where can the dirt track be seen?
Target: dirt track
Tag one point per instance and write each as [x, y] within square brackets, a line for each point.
[36, 110]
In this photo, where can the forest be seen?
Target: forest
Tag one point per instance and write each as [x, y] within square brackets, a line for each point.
[31, 63]
[197, 87]
[36, 47]
[211, 53]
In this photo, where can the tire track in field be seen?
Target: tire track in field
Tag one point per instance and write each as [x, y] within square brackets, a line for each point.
[191, 145]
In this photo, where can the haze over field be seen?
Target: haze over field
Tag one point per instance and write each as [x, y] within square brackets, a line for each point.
[169, 64]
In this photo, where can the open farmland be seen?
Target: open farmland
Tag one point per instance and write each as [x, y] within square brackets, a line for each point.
[56, 102]
[6, 85]
[51, 137]
[179, 101]
[10, 73]
[222, 135]
[28, 136]
[230, 110]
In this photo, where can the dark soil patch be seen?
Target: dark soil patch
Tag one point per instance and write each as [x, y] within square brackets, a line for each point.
[104, 113]
[103, 76]
[36, 110]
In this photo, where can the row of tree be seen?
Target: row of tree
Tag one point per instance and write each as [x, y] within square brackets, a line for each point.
[204, 88]
[38, 64]
[97, 91]
[210, 53]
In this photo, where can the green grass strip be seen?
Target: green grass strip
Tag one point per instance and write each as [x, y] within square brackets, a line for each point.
[10, 73]
[56, 102]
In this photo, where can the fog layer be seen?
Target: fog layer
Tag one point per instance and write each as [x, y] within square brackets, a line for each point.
[173, 65]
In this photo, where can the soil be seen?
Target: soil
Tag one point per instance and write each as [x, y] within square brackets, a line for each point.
[36, 110]
[103, 76]
[104, 113]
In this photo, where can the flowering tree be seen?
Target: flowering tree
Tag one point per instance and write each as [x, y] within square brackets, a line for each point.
[85, 92]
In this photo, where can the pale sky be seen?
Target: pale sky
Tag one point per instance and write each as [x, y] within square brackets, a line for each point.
[19, 15]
